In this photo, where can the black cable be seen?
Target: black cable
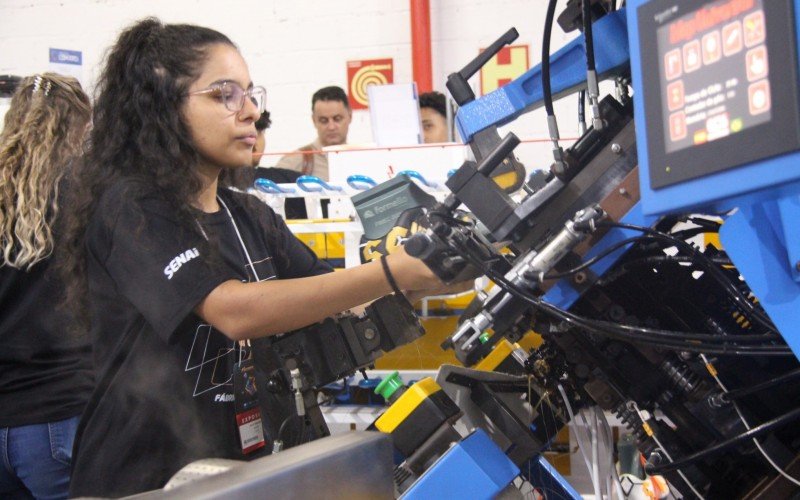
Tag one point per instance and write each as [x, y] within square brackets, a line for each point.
[323, 402]
[764, 428]
[605, 253]
[676, 336]
[747, 391]
[582, 109]
[707, 265]
[661, 338]
[547, 93]
[282, 428]
[587, 33]
[685, 234]
[653, 260]
[658, 259]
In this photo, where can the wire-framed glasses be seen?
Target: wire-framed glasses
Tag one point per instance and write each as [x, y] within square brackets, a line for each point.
[233, 95]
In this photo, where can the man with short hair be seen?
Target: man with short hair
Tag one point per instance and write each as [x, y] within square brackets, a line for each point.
[331, 115]
[433, 112]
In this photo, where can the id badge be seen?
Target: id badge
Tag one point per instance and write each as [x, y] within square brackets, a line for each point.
[248, 413]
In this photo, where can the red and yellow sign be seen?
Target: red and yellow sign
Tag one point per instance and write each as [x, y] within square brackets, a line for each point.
[505, 66]
[361, 74]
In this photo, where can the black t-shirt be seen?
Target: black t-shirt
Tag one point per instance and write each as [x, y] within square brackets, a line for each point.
[164, 396]
[45, 367]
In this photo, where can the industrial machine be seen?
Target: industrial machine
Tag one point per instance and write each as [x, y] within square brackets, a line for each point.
[656, 257]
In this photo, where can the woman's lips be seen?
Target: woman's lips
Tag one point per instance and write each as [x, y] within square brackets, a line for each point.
[250, 140]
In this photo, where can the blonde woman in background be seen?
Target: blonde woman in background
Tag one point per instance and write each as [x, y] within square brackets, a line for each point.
[45, 369]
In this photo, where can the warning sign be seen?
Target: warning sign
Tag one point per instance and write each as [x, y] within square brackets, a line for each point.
[361, 74]
[506, 65]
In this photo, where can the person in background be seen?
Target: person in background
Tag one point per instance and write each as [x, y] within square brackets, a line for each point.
[45, 369]
[165, 261]
[243, 178]
[433, 113]
[331, 114]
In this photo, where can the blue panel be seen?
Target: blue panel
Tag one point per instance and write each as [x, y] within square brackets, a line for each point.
[762, 238]
[541, 474]
[474, 468]
[755, 240]
[789, 209]
[712, 192]
[567, 70]
[563, 294]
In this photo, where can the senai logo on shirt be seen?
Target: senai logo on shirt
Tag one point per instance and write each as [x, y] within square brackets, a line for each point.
[180, 260]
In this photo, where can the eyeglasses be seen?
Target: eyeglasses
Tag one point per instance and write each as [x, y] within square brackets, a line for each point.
[233, 95]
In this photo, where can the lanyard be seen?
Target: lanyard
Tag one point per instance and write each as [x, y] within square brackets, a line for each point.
[243, 343]
[239, 236]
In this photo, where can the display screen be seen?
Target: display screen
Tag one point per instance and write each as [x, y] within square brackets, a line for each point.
[714, 73]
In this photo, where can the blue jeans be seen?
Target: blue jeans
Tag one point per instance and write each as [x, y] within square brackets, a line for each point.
[36, 459]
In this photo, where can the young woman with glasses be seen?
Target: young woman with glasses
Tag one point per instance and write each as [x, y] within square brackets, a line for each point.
[176, 272]
[45, 370]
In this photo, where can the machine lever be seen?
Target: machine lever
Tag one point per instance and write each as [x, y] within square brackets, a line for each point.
[498, 154]
[457, 82]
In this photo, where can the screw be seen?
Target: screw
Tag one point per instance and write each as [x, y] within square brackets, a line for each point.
[616, 148]
[655, 458]
[623, 191]
[369, 334]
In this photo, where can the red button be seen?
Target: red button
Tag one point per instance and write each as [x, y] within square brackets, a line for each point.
[675, 95]
[691, 56]
[677, 126]
[757, 63]
[672, 64]
[732, 38]
[755, 31]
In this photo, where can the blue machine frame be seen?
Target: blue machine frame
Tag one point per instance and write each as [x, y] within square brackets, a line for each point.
[568, 71]
[762, 238]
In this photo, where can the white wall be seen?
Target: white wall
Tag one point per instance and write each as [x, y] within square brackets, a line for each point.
[293, 47]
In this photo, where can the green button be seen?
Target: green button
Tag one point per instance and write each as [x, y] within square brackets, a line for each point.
[389, 385]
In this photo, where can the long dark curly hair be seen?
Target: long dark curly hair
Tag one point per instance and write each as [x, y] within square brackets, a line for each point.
[139, 131]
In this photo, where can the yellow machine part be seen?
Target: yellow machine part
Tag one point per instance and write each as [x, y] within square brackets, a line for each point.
[712, 239]
[508, 181]
[501, 351]
[426, 352]
[406, 404]
[324, 245]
